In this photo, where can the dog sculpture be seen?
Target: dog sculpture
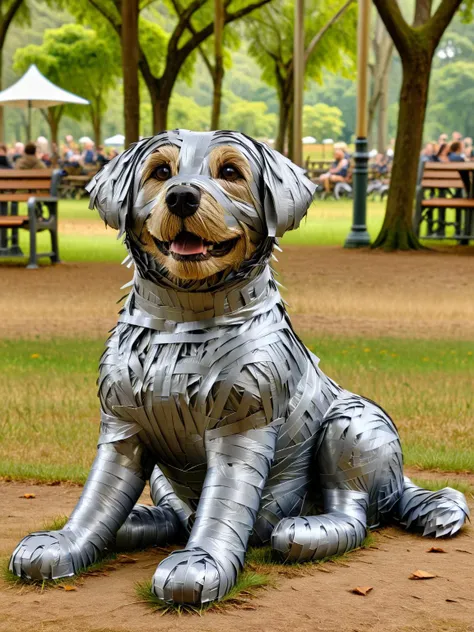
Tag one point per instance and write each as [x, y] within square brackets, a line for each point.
[206, 390]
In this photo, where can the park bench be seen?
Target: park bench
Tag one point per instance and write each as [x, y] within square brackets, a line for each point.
[445, 201]
[38, 189]
[74, 187]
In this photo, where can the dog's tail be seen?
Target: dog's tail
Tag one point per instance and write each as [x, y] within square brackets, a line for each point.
[438, 514]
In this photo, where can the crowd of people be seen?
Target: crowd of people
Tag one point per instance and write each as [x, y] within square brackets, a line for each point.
[458, 149]
[39, 155]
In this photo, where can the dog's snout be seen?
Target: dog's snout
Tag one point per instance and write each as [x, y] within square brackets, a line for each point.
[183, 200]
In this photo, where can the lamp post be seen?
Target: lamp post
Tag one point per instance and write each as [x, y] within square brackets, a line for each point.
[298, 69]
[358, 235]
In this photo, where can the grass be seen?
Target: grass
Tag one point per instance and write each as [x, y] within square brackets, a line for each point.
[49, 389]
[261, 570]
[84, 238]
[247, 584]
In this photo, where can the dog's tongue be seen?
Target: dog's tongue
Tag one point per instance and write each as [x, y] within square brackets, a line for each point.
[188, 244]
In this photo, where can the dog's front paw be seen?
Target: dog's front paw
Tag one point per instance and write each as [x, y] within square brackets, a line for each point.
[187, 577]
[48, 555]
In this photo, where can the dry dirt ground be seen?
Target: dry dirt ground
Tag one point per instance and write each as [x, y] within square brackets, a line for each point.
[329, 291]
[305, 602]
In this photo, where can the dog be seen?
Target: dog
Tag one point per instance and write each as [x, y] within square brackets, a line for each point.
[208, 393]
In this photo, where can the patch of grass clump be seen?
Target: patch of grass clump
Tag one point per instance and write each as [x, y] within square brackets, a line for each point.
[248, 583]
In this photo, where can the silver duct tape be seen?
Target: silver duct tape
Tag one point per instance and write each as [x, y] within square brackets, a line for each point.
[209, 394]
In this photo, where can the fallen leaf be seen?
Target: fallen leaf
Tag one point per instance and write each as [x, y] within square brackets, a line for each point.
[293, 588]
[28, 496]
[436, 549]
[452, 600]
[421, 575]
[416, 597]
[126, 559]
[362, 590]
[68, 587]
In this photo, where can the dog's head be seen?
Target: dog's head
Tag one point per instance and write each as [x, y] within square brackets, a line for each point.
[201, 203]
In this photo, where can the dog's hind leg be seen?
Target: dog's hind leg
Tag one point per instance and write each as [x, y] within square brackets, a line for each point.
[159, 525]
[359, 466]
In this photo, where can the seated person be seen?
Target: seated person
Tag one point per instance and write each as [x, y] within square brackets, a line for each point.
[428, 153]
[101, 157]
[455, 152]
[338, 171]
[29, 160]
[4, 162]
[88, 155]
[442, 153]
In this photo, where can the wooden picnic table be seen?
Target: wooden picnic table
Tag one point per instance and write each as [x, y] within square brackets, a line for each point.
[440, 191]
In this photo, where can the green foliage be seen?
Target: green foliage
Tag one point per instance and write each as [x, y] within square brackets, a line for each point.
[250, 117]
[77, 59]
[322, 121]
[270, 33]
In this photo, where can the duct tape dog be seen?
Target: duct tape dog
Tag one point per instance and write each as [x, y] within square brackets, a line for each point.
[207, 392]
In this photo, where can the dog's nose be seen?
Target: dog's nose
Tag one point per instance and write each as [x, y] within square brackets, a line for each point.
[183, 200]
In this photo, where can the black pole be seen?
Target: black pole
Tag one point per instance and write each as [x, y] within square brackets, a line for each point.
[29, 123]
[359, 236]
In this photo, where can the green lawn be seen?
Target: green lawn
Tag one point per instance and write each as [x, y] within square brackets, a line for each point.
[328, 223]
[49, 389]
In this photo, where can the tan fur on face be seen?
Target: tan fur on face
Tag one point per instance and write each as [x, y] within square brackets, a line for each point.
[208, 222]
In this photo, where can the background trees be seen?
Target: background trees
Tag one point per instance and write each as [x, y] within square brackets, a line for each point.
[329, 44]
[79, 60]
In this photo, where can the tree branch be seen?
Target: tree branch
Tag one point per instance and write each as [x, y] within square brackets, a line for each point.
[395, 23]
[183, 22]
[192, 30]
[110, 18]
[7, 20]
[317, 38]
[441, 19]
[422, 12]
[207, 31]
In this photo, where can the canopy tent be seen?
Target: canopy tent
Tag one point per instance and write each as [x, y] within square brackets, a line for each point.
[33, 90]
[115, 141]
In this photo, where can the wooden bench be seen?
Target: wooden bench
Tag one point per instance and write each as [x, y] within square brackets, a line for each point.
[445, 200]
[38, 188]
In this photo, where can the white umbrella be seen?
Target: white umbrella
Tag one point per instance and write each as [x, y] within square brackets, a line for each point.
[34, 90]
[308, 140]
[118, 140]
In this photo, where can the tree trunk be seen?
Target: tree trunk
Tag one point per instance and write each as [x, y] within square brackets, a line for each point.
[97, 127]
[130, 53]
[54, 127]
[218, 74]
[2, 118]
[291, 132]
[160, 106]
[282, 126]
[382, 121]
[397, 231]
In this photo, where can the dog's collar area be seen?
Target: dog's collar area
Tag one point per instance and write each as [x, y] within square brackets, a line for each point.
[166, 309]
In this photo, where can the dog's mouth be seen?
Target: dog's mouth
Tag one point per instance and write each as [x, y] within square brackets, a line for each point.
[187, 246]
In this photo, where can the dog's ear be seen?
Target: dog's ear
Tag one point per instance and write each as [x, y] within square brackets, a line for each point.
[114, 190]
[287, 192]
[111, 189]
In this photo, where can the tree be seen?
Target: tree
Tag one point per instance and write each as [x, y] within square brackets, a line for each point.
[329, 44]
[322, 121]
[250, 117]
[416, 46]
[382, 48]
[9, 11]
[161, 68]
[79, 60]
[131, 85]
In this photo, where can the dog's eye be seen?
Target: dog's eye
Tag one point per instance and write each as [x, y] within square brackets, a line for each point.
[229, 173]
[163, 172]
